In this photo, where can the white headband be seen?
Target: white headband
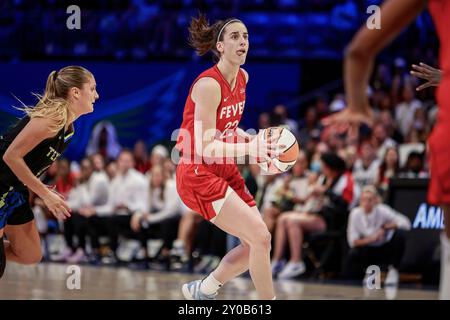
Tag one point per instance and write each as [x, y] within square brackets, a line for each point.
[231, 21]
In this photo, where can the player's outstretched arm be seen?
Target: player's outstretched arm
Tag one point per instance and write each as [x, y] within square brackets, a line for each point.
[360, 55]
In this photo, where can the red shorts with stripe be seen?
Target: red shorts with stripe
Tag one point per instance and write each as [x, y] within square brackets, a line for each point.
[439, 161]
[201, 185]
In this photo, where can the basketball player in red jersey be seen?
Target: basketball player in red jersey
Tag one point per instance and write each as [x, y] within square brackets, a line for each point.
[207, 181]
[359, 59]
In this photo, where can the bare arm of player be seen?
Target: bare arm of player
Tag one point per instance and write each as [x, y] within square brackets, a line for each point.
[31, 135]
[206, 95]
[361, 53]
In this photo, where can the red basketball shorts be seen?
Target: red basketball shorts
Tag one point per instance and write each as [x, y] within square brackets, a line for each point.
[204, 188]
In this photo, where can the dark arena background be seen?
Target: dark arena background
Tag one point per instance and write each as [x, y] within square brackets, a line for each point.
[143, 65]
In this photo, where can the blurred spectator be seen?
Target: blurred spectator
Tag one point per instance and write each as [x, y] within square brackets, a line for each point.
[98, 162]
[161, 216]
[414, 167]
[91, 190]
[412, 143]
[264, 120]
[49, 177]
[382, 77]
[266, 193]
[315, 162]
[65, 179]
[187, 230]
[169, 168]
[157, 155]
[389, 168]
[111, 170]
[309, 126]
[281, 117]
[291, 193]
[381, 140]
[321, 106]
[374, 236]
[389, 124]
[404, 111]
[128, 193]
[104, 141]
[140, 157]
[338, 103]
[339, 193]
[385, 103]
[365, 169]
[349, 154]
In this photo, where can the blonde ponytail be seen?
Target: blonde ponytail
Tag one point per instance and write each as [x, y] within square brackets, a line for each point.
[54, 104]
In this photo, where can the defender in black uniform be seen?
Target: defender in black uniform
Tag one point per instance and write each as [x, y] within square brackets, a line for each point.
[28, 149]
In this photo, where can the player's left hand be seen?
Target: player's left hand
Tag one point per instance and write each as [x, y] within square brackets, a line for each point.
[424, 71]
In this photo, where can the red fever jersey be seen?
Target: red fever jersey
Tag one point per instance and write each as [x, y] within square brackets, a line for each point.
[204, 187]
[439, 147]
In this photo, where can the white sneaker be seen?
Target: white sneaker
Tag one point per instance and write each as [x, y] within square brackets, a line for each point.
[392, 277]
[292, 270]
[191, 291]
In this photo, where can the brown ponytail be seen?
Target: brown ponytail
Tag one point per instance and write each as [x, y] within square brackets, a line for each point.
[203, 36]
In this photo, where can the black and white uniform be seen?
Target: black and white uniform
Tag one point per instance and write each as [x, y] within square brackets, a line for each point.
[14, 205]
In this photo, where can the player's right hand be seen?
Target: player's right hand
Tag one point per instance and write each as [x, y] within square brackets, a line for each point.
[261, 148]
[56, 204]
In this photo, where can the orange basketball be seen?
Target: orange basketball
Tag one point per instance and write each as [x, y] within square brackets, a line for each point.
[289, 154]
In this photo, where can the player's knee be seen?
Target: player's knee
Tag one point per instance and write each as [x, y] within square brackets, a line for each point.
[31, 257]
[261, 237]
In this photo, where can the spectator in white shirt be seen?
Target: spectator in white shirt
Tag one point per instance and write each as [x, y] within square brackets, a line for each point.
[128, 192]
[162, 214]
[404, 111]
[374, 236]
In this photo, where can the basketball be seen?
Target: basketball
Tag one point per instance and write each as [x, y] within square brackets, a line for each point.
[289, 154]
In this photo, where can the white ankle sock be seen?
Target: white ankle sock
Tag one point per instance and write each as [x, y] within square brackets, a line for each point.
[210, 285]
[179, 244]
[444, 286]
